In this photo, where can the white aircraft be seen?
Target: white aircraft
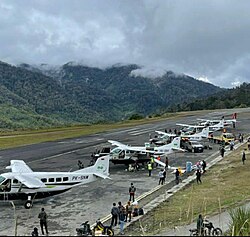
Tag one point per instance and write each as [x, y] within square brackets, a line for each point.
[129, 152]
[162, 138]
[212, 122]
[197, 136]
[193, 137]
[208, 122]
[191, 129]
[24, 184]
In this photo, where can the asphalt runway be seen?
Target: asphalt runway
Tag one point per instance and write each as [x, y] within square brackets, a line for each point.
[68, 210]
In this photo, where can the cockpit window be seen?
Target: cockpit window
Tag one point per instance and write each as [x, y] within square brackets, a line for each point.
[116, 151]
[2, 179]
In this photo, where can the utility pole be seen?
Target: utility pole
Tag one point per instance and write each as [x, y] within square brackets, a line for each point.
[15, 217]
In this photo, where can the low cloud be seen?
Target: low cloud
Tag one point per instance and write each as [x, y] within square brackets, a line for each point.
[206, 39]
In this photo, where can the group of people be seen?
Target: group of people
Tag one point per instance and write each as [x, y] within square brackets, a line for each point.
[151, 164]
[121, 214]
[174, 131]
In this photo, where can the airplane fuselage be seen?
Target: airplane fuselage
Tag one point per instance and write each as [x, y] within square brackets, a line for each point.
[55, 183]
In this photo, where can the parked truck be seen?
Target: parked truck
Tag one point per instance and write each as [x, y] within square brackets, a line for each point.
[223, 138]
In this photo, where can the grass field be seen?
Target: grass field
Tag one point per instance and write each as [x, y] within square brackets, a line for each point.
[20, 138]
[225, 185]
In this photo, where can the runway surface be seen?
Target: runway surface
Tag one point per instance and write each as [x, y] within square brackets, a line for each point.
[68, 210]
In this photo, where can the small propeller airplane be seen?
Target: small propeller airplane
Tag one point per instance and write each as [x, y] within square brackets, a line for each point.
[193, 137]
[162, 138]
[24, 184]
[212, 122]
[129, 152]
[197, 136]
[191, 129]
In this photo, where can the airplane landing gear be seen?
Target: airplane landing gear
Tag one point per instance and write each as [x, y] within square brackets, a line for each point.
[28, 203]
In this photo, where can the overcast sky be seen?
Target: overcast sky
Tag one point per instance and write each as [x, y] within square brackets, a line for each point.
[207, 39]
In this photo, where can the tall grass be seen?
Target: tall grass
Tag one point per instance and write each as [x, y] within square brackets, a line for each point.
[240, 222]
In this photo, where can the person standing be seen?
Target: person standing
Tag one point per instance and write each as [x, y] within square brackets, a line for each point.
[204, 165]
[43, 221]
[222, 151]
[132, 190]
[166, 164]
[200, 225]
[243, 157]
[152, 161]
[177, 176]
[122, 216]
[129, 210]
[121, 209]
[198, 176]
[164, 175]
[149, 169]
[115, 214]
[231, 144]
[161, 177]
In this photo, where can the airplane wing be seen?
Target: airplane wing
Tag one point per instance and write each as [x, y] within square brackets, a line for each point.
[183, 170]
[188, 125]
[30, 182]
[102, 176]
[119, 144]
[130, 148]
[164, 133]
[183, 125]
[204, 120]
[19, 166]
[179, 149]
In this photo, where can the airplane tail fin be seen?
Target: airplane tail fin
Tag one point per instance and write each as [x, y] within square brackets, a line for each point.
[205, 132]
[176, 143]
[100, 168]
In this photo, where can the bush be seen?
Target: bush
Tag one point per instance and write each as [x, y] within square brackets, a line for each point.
[240, 222]
[136, 117]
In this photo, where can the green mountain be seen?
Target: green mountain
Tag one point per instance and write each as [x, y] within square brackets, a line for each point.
[34, 97]
[231, 98]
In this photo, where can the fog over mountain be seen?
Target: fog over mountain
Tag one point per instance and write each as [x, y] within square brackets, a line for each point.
[208, 39]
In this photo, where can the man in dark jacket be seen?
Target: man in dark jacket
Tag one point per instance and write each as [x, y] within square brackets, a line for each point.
[222, 151]
[204, 165]
[132, 190]
[43, 221]
[177, 176]
[243, 157]
[200, 226]
[115, 214]
[198, 176]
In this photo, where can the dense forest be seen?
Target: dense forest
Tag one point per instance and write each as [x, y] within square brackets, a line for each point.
[37, 97]
[231, 98]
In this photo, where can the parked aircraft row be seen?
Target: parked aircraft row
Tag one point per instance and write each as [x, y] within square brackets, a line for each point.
[24, 184]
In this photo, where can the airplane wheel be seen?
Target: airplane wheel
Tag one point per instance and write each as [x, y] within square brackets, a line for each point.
[28, 205]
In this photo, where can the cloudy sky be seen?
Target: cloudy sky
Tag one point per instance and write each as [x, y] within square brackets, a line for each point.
[207, 39]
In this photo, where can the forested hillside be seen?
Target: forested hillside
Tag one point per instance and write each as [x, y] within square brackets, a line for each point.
[32, 97]
[231, 98]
